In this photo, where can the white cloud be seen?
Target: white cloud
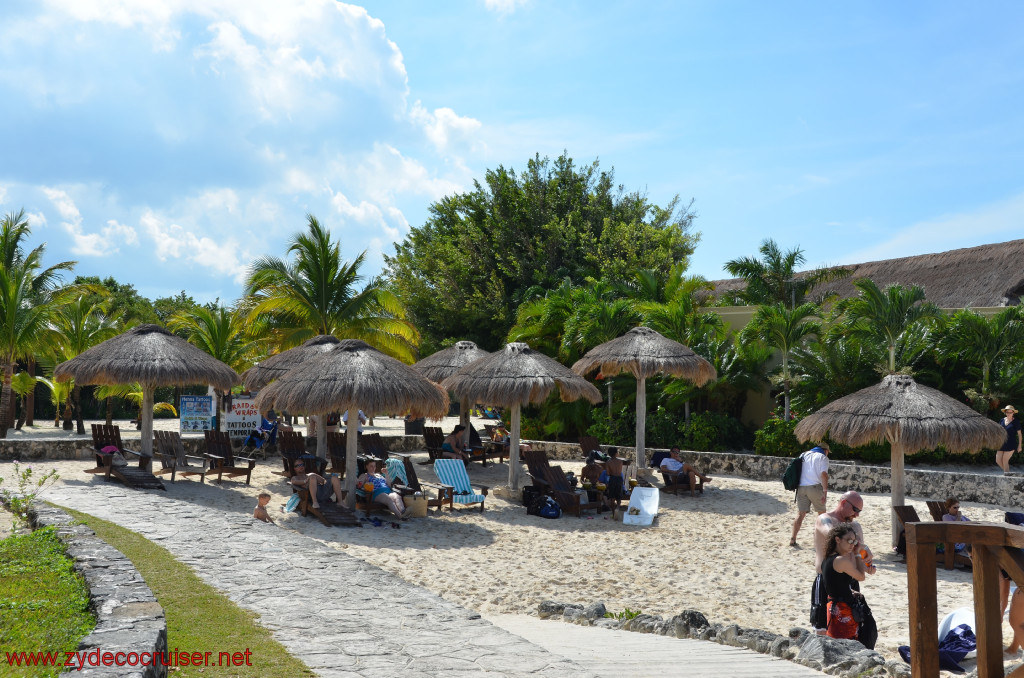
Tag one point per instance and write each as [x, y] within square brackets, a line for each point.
[444, 127]
[3, 194]
[994, 222]
[504, 6]
[174, 242]
[101, 244]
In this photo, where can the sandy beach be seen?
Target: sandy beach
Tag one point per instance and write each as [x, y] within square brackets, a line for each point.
[724, 553]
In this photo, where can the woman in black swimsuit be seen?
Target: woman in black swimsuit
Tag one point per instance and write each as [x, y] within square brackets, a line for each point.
[841, 566]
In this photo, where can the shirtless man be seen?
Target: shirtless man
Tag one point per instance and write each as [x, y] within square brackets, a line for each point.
[849, 507]
[319, 488]
[614, 491]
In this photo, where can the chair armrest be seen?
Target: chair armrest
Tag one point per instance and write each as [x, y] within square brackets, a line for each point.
[214, 457]
[202, 460]
[483, 489]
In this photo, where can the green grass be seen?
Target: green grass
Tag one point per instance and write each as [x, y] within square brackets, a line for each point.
[44, 603]
[199, 617]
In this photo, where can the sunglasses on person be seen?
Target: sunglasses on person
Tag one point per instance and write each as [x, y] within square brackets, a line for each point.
[855, 509]
[852, 542]
[954, 508]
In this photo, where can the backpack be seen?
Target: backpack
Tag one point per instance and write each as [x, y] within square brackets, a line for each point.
[791, 478]
[550, 509]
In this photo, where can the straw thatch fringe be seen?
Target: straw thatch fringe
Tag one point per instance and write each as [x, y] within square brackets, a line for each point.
[517, 375]
[443, 364]
[266, 371]
[919, 417]
[989, 275]
[644, 353]
[147, 354]
[353, 375]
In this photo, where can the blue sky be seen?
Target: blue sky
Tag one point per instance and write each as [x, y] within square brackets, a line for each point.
[170, 142]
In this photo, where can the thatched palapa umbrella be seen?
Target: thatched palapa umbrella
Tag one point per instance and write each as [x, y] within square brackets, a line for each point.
[644, 353]
[439, 366]
[910, 416]
[350, 376]
[266, 371]
[515, 376]
[152, 356]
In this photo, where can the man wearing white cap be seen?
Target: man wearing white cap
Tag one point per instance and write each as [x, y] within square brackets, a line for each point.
[813, 487]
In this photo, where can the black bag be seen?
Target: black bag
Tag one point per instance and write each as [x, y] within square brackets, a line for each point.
[791, 478]
[530, 493]
[535, 505]
[867, 629]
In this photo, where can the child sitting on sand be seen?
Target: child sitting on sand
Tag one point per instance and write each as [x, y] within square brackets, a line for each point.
[260, 512]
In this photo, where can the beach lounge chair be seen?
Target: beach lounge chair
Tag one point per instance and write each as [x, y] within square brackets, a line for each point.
[291, 445]
[537, 468]
[681, 481]
[329, 514]
[588, 444]
[643, 506]
[452, 473]
[171, 455]
[223, 460]
[441, 492]
[433, 438]
[565, 494]
[950, 557]
[137, 476]
[373, 445]
[337, 451]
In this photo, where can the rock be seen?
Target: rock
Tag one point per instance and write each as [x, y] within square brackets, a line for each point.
[710, 632]
[688, 623]
[729, 635]
[609, 623]
[758, 640]
[594, 611]
[897, 668]
[798, 634]
[827, 652]
[572, 612]
[643, 623]
[779, 646]
[550, 608]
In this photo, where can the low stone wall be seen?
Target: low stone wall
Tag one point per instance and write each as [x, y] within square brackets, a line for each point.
[846, 658]
[128, 617]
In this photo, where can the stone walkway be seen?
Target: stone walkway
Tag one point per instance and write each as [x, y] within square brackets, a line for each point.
[365, 621]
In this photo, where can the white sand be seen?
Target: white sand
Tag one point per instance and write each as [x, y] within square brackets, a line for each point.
[724, 553]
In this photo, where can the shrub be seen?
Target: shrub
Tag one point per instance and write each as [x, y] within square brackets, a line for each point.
[776, 439]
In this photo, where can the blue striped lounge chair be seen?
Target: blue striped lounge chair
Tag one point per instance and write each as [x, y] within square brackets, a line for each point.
[452, 473]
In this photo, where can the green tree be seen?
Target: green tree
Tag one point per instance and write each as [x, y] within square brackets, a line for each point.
[832, 366]
[773, 278]
[167, 307]
[885, 316]
[984, 342]
[28, 292]
[121, 300]
[785, 330]
[221, 333]
[464, 273]
[316, 294]
[75, 327]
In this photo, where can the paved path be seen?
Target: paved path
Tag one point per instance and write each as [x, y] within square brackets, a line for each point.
[267, 569]
[624, 654]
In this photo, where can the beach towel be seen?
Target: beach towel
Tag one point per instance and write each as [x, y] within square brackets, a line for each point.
[643, 506]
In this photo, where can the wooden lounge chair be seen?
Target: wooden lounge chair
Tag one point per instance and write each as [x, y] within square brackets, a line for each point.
[589, 444]
[291, 445]
[950, 557]
[337, 452]
[329, 513]
[171, 455]
[441, 492]
[537, 468]
[373, 446]
[433, 438]
[565, 494]
[452, 473]
[223, 460]
[137, 476]
[681, 481]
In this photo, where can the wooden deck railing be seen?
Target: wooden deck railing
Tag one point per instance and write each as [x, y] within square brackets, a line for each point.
[993, 546]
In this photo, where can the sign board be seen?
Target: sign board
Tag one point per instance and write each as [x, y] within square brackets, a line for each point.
[242, 417]
[196, 413]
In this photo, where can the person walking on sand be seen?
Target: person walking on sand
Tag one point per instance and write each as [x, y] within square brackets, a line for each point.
[1014, 439]
[849, 507]
[813, 488]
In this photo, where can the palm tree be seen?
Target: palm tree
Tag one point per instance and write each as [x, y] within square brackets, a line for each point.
[76, 326]
[22, 384]
[60, 395]
[27, 292]
[316, 294]
[885, 316]
[983, 341]
[132, 393]
[774, 279]
[785, 330]
[832, 366]
[220, 332]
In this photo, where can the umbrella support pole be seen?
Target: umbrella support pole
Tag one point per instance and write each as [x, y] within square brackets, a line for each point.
[897, 485]
[351, 468]
[641, 422]
[147, 419]
[513, 451]
[321, 436]
[464, 420]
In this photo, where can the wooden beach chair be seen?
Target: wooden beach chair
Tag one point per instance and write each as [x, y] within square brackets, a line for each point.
[136, 476]
[681, 481]
[950, 557]
[537, 468]
[565, 494]
[291, 445]
[337, 451]
[452, 473]
[433, 438]
[329, 514]
[588, 444]
[373, 446]
[223, 460]
[171, 455]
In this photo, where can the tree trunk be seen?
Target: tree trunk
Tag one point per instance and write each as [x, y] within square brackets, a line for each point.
[110, 411]
[69, 414]
[351, 469]
[21, 417]
[77, 397]
[5, 398]
[641, 422]
[30, 399]
[686, 412]
[514, 467]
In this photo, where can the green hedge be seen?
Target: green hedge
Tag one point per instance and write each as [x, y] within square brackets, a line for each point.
[708, 431]
[776, 439]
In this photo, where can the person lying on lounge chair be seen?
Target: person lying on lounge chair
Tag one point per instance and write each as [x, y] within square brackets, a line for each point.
[380, 491]
[320, 488]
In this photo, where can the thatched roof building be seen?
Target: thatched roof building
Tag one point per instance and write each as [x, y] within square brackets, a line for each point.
[984, 276]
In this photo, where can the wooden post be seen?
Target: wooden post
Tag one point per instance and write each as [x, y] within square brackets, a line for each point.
[321, 436]
[921, 592]
[351, 468]
[513, 451]
[641, 421]
[987, 619]
[464, 420]
[147, 419]
[897, 484]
